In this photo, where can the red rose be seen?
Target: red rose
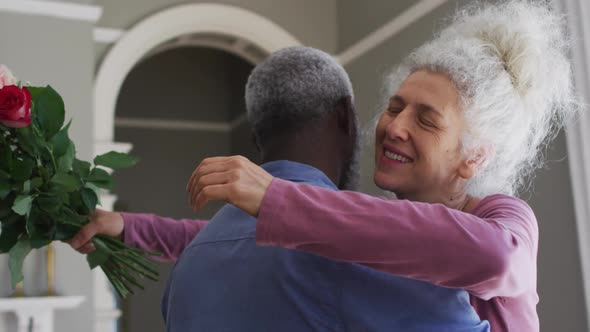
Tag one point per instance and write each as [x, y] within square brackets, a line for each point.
[15, 106]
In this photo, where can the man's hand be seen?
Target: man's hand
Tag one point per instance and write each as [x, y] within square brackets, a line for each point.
[100, 222]
[234, 179]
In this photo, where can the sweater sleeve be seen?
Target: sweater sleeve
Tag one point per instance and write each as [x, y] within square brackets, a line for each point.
[489, 253]
[165, 235]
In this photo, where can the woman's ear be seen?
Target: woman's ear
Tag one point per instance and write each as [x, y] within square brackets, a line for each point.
[478, 161]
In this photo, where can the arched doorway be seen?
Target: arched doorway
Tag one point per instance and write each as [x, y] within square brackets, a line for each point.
[176, 107]
[245, 27]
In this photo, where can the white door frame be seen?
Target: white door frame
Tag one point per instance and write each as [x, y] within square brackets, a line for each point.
[168, 24]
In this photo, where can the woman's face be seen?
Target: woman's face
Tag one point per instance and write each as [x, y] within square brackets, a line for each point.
[418, 140]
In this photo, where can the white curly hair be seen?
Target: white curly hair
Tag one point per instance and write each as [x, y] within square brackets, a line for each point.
[509, 62]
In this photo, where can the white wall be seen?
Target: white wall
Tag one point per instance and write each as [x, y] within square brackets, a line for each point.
[46, 50]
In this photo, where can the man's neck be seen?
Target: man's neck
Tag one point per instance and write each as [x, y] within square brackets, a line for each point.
[306, 150]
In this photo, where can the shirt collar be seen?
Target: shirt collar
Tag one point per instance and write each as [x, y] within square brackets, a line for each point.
[297, 172]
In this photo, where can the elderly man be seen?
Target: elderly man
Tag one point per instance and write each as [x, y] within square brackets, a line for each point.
[299, 102]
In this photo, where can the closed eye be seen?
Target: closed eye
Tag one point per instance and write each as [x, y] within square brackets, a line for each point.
[427, 123]
[394, 110]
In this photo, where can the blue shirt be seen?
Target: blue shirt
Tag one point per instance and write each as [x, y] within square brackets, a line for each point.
[223, 281]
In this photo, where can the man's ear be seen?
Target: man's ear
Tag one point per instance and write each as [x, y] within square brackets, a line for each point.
[254, 139]
[479, 159]
[346, 116]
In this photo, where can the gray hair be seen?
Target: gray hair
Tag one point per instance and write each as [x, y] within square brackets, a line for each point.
[295, 83]
[509, 63]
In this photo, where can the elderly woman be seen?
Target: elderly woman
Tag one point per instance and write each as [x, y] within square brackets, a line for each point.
[467, 117]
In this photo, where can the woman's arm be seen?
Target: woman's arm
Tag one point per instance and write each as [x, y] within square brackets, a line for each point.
[492, 253]
[490, 256]
[154, 233]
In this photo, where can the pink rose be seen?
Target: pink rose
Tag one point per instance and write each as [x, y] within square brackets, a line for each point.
[15, 106]
[6, 77]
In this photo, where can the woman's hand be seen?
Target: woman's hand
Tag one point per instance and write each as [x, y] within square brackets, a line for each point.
[100, 222]
[234, 179]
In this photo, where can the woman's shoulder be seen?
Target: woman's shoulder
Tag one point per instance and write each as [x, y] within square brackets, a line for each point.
[504, 205]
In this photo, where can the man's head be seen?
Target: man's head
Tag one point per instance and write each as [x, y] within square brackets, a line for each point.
[296, 90]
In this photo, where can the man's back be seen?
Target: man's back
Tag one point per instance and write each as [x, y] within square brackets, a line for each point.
[224, 282]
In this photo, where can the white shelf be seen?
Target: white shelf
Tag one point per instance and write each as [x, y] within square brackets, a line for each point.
[38, 311]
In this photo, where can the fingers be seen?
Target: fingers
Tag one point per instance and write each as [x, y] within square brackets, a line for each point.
[83, 236]
[206, 163]
[212, 165]
[208, 180]
[211, 193]
[87, 248]
[232, 179]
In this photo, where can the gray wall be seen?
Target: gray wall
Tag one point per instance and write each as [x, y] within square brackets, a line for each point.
[197, 85]
[59, 52]
[242, 141]
[560, 284]
[312, 22]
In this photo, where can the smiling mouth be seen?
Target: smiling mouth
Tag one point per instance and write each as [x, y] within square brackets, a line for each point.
[397, 157]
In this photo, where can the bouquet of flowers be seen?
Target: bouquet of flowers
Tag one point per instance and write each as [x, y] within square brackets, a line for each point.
[46, 194]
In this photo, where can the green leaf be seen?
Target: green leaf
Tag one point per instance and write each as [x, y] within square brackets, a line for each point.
[5, 210]
[68, 216]
[61, 141]
[100, 178]
[28, 141]
[9, 236]
[22, 204]
[96, 190]
[57, 191]
[14, 219]
[33, 219]
[89, 198]
[50, 111]
[116, 160]
[66, 161]
[66, 181]
[22, 169]
[81, 168]
[36, 91]
[99, 175]
[36, 183]
[100, 255]
[39, 241]
[77, 203]
[5, 158]
[26, 187]
[17, 256]
[64, 232]
[50, 204]
[40, 227]
[5, 189]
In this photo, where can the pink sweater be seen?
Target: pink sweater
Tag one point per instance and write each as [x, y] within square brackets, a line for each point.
[491, 252]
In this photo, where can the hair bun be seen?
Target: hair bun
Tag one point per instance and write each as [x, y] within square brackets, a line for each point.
[529, 41]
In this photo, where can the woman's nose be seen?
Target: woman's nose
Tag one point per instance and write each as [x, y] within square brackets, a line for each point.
[399, 127]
